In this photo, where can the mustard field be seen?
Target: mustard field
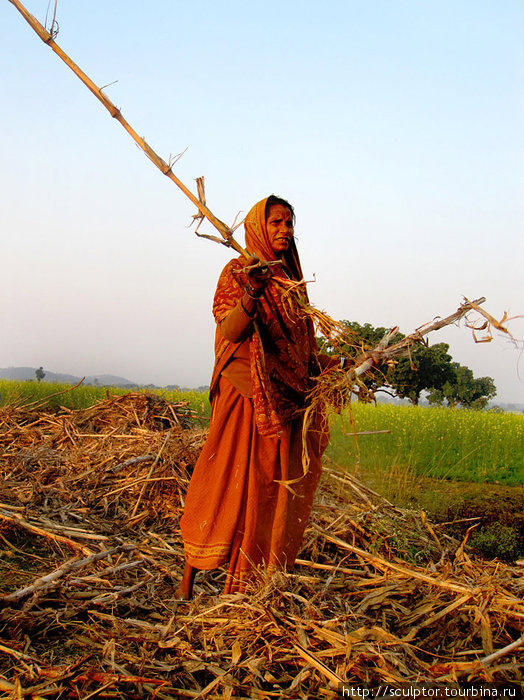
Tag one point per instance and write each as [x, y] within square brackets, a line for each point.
[20, 393]
[443, 443]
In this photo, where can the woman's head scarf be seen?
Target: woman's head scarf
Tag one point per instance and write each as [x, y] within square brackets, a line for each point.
[258, 243]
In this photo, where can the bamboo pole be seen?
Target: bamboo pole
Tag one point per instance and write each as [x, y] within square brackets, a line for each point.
[165, 168]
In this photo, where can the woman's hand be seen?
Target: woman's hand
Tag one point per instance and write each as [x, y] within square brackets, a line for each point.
[258, 275]
[371, 357]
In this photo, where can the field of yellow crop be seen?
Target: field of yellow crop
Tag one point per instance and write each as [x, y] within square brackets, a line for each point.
[465, 445]
[13, 392]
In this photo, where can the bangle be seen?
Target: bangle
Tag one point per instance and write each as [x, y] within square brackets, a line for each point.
[253, 293]
[246, 311]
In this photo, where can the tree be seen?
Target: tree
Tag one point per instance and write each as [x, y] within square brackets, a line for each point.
[429, 367]
[40, 374]
[464, 389]
[433, 368]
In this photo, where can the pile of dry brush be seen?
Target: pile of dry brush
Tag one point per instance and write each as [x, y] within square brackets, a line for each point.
[91, 554]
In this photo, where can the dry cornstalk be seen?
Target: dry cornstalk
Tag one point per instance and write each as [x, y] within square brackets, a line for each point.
[15, 691]
[113, 596]
[41, 402]
[362, 366]
[384, 564]
[435, 618]
[224, 230]
[358, 610]
[383, 351]
[47, 582]
[15, 518]
[17, 654]
[150, 475]
[129, 462]
[333, 679]
[335, 387]
[502, 652]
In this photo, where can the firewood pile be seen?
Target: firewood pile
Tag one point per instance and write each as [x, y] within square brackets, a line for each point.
[91, 554]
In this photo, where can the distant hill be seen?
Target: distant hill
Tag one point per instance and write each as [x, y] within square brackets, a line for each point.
[108, 380]
[24, 374]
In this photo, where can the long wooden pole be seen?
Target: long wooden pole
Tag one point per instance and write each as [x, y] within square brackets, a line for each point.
[164, 167]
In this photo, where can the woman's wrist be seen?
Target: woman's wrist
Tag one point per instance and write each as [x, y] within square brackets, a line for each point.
[252, 292]
[248, 306]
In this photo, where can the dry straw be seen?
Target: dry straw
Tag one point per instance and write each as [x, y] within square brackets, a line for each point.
[89, 508]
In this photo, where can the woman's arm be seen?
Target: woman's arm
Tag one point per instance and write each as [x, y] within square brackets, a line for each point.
[237, 324]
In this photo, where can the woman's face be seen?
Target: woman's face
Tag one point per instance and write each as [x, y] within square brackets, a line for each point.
[279, 226]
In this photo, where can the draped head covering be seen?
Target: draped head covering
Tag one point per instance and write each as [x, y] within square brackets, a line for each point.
[282, 347]
[258, 243]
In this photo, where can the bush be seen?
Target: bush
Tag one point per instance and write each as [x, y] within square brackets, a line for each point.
[497, 540]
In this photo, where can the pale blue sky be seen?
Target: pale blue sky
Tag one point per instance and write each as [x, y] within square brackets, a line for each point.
[395, 127]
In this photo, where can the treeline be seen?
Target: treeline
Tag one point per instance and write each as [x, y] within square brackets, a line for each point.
[430, 368]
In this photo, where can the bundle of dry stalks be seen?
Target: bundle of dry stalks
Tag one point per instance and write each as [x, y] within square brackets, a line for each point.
[91, 554]
[336, 388]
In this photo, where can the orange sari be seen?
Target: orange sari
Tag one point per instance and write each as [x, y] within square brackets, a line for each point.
[235, 509]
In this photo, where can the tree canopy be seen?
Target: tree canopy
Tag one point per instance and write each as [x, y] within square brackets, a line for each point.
[464, 389]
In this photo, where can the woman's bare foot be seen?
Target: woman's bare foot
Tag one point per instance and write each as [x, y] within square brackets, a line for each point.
[185, 587]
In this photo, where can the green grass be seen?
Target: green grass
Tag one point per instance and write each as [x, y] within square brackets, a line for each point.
[19, 393]
[441, 443]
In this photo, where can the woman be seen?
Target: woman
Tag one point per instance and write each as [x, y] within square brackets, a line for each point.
[237, 509]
